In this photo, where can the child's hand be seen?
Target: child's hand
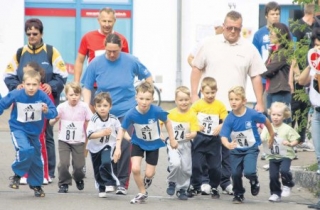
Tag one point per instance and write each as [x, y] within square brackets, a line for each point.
[270, 142]
[189, 136]
[107, 132]
[232, 145]
[44, 108]
[19, 87]
[217, 130]
[46, 88]
[202, 127]
[286, 143]
[174, 144]
[116, 155]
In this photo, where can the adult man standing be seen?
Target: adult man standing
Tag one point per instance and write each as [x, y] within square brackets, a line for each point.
[93, 44]
[229, 59]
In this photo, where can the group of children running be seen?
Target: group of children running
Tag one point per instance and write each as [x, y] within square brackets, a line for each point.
[195, 137]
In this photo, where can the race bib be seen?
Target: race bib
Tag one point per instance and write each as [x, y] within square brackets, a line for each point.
[29, 112]
[147, 132]
[209, 122]
[244, 139]
[277, 148]
[71, 130]
[180, 130]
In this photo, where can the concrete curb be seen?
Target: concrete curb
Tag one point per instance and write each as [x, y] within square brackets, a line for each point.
[307, 179]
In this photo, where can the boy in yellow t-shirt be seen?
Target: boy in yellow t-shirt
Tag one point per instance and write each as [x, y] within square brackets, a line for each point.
[206, 147]
[185, 127]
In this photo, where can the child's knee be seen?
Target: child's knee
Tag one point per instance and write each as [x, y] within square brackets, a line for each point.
[135, 169]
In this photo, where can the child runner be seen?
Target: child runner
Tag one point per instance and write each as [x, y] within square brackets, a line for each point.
[36, 67]
[73, 116]
[240, 126]
[102, 131]
[185, 126]
[30, 107]
[145, 139]
[206, 147]
[282, 152]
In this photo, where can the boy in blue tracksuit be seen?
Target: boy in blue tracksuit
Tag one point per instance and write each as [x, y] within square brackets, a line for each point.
[30, 107]
[240, 125]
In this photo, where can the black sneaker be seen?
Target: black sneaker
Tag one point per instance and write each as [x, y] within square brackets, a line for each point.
[147, 182]
[255, 188]
[80, 185]
[215, 193]
[182, 195]
[171, 188]
[15, 181]
[191, 192]
[38, 191]
[238, 199]
[63, 188]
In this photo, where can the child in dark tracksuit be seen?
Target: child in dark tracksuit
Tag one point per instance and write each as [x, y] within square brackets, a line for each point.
[206, 146]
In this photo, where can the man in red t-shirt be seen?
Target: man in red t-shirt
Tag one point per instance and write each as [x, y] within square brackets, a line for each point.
[92, 43]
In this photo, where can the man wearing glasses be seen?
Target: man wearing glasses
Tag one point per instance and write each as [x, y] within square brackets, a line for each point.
[55, 75]
[230, 59]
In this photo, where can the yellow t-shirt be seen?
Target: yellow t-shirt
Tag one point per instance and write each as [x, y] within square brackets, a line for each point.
[183, 123]
[209, 115]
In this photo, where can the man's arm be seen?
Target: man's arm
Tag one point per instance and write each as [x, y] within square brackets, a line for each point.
[190, 59]
[258, 91]
[194, 80]
[86, 95]
[78, 67]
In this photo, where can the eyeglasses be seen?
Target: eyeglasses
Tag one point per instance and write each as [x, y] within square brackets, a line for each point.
[231, 28]
[33, 34]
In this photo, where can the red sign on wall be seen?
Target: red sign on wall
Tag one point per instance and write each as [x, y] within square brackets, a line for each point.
[95, 13]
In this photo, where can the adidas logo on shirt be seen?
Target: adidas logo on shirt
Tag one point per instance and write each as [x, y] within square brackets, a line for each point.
[207, 119]
[29, 109]
[71, 126]
[240, 135]
[179, 128]
[146, 128]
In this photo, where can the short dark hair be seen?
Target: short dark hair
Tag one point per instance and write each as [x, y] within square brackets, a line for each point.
[114, 39]
[272, 5]
[33, 22]
[233, 15]
[101, 97]
[36, 67]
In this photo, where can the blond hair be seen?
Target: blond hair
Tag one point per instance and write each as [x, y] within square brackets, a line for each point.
[33, 75]
[183, 89]
[309, 9]
[280, 105]
[145, 87]
[239, 91]
[75, 86]
[210, 82]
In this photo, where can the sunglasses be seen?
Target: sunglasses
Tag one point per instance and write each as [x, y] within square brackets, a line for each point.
[231, 28]
[33, 34]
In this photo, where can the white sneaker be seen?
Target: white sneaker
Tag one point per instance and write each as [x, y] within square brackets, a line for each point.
[266, 167]
[110, 189]
[45, 181]
[50, 179]
[23, 181]
[228, 190]
[102, 194]
[205, 189]
[286, 191]
[274, 198]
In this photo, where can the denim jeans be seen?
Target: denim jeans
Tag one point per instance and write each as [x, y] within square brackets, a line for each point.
[315, 132]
